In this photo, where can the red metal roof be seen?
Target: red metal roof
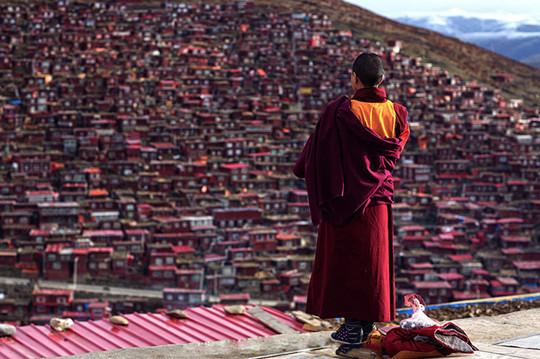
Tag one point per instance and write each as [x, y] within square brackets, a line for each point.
[431, 284]
[57, 292]
[460, 257]
[450, 276]
[233, 166]
[234, 296]
[183, 249]
[525, 265]
[204, 324]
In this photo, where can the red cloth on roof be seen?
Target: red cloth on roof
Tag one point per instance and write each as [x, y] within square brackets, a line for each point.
[446, 339]
[347, 168]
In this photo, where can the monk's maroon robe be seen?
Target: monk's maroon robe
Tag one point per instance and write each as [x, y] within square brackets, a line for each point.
[348, 172]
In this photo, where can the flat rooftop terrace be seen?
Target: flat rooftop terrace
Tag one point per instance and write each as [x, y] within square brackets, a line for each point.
[511, 335]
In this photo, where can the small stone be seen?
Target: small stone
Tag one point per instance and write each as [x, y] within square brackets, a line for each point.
[119, 320]
[326, 325]
[7, 330]
[302, 317]
[177, 314]
[313, 325]
[234, 309]
[61, 324]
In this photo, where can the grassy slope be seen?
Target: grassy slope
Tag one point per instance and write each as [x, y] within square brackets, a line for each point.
[466, 60]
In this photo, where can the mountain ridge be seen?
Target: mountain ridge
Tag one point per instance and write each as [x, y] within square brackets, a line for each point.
[519, 41]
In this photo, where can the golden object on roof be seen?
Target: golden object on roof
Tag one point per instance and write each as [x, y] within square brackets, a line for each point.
[177, 314]
[119, 320]
[234, 309]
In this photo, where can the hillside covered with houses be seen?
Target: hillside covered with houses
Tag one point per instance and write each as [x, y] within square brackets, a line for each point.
[151, 146]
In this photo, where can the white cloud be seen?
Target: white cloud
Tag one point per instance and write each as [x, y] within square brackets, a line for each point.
[516, 19]
[515, 11]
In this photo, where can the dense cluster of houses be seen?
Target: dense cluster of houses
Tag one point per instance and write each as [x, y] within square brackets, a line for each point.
[151, 145]
[27, 302]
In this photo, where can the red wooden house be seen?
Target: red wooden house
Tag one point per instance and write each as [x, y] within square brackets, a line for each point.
[502, 286]
[288, 240]
[58, 214]
[122, 265]
[456, 280]
[433, 292]
[240, 253]
[236, 217]
[57, 262]
[51, 302]
[99, 261]
[263, 240]
[104, 236]
[234, 298]
[8, 258]
[189, 278]
[179, 298]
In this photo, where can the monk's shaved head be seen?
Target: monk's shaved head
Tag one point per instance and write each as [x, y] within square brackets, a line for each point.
[369, 69]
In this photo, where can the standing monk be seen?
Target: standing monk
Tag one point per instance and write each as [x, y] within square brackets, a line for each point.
[347, 164]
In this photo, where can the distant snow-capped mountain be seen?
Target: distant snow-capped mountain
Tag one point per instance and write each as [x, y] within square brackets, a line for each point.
[513, 37]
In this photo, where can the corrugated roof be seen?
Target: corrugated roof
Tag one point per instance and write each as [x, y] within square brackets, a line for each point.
[204, 324]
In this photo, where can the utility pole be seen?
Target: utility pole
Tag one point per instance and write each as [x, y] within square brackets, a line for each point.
[293, 53]
[75, 263]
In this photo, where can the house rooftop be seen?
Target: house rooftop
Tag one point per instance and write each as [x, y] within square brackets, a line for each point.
[203, 324]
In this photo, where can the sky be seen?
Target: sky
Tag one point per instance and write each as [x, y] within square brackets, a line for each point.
[527, 10]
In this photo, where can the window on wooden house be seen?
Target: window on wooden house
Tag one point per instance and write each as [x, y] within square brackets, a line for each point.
[61, 300]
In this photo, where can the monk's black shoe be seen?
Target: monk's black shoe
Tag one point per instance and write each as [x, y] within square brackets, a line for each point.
[348, 350]
[351, 334]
